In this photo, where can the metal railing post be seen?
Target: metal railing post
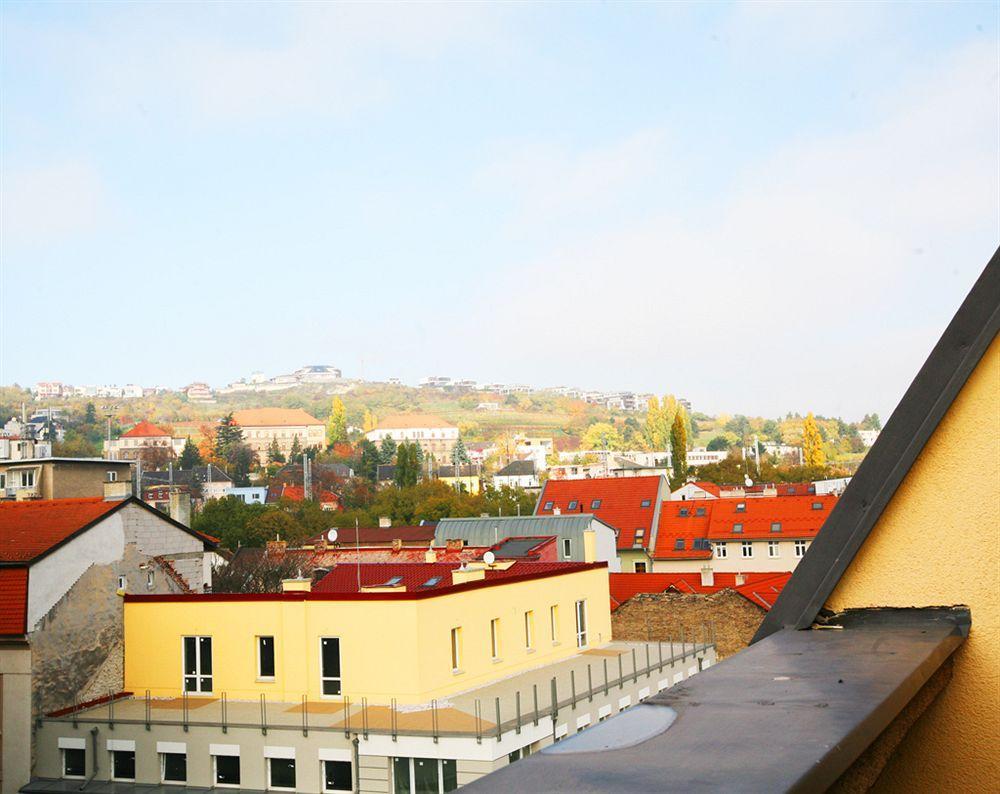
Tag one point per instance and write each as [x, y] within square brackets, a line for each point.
[534, 692]
[590, 684]
[225, 713]
[111, 710]
[263, 714]
[148, 710]
[621, 672]
[479, 722]
[434, 720]
[635, 668]
[517, 708]
[305, 716]
[364, 717]
[649, 667]
[184, 709]
[572, 687]
[659, 646]
[394, 731]
[499, 730]
[605, 661]
[555, 705]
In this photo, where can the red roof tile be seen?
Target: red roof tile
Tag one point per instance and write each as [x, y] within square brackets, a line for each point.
[13, 601]
[145, 429]
[297, 493]
[759, 588]
[374, 536]
[685, 521]
[29, 529]
[795, 514]
[415, 577]
[621, 503]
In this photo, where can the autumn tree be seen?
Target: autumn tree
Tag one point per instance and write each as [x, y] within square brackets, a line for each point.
[812, 442]
[369, 422]
[602, 436]
[678, 449]
[190, 456]
[295, 453]
[90, 414]
[274, 453]
[336, 425]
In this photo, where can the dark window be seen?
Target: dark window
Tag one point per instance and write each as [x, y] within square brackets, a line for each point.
[640, 567]
[330, 659]
[175, 767]
[737, 528]
[198, 664]
[741, 507]
[684, 512]
[679, 544]
[401, 775]
[227, 770]
[817, 505]
[337, 776]
[431, 582]
[646, 503]
[572, 505]
[425, 775]
[547, 506]
[791, 489]
[123, 764]
[700, 511]
[449, 775]
[74, 762]
[811, 489]
[776, 526]
[595, 504]
[282, 772]
[265, 657]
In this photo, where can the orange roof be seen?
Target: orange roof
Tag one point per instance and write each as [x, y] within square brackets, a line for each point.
[408, 421]
[13, 601]
[798, 517]
[30, 529]
[274, 417]
[759, 588]
[297, 493]
[625, 503]
[681, 524]
[144, 430]
[708, 487]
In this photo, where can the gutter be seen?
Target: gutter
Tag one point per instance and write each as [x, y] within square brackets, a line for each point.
[357, 764]
[93, 772]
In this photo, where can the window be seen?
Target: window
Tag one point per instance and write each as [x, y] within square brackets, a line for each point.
[265, 658]
[122, 582]
[227, 770]
[593, 506]
[495, 638]
[646, 503]
[330, 679]
[581, 624]
[150, 580]
[567, 548]
[720, 551]
[554, 621]
[74, 762]
[700, 511]
[639, 567]
[123, 765]
[529, 629]
[173, 767]
[517, 755]
[800, 548]
[337, 776]
[737, 528]
[684, 512]
[281, 773]
[741, 507]
[572, 504]
[547, 506]
[198, 664]
[456, 648]
[747, 548]
[423, 776]
[112, 476]
[679, 544]
[640, 536]
[817, 505]
[776, 526]
[28, 479]
[772, 548]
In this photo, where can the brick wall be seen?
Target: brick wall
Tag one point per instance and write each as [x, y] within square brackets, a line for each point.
[661, 616]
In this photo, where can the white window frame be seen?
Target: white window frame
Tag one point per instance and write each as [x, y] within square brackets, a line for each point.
[635, 567]
[215, 772]
[62, 763]
[580, 612]
[440, 772]
[772, 549]
[199, 675]
[163, 768]
[268, 773]
[112, 476]
[801, 547]
[324, 678]
[495, 648]
[111, 765]
[721, 552]
[567, 548]
[746, 549]
[274, 659]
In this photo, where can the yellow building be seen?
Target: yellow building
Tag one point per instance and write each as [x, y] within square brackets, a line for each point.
[467, 477]
[413, 632]
[261, 426]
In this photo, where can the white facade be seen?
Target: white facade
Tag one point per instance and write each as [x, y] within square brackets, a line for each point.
[252, 495]
[689, 491]
[836, 485]
[868, 437]
[765, 556]
[699, 456]
[515, 480]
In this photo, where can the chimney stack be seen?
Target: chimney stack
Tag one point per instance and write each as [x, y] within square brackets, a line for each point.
[180, 506]
[430, 555]
[740, 579]
[384, 522]
[276, 548]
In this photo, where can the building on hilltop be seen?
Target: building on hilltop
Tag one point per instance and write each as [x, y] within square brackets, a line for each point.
[262, 426]
[144, 437]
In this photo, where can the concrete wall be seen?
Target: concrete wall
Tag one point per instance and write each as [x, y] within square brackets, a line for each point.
[652, 617]
[938, 544]
[735, 562]
[77, 480]
[15, 715]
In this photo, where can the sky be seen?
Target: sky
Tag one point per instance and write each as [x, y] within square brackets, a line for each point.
[764, 208]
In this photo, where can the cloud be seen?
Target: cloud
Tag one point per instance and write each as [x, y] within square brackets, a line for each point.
[44, 205]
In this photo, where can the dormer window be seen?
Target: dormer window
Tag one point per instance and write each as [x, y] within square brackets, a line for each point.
[683, 512]
[595, 504]
[741, 507]
[700, 511]
[547, 506]
[646, 503]
[817, 505]
[737, 528]
[679, 544]
[776, 526]
[572, 505]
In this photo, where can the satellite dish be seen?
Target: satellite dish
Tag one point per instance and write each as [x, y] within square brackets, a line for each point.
[489, 558]
[748, 482]
[331, 535]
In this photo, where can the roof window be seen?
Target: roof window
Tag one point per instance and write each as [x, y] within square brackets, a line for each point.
[646, 503]
[700, 511]
[547, 506]
[741, 507]
[776, 526]
[395, 580]
[679, 544]
[595, 504]
[684, 512]
[817, 506]
[431, 582]
[572, 505]
[737, 528]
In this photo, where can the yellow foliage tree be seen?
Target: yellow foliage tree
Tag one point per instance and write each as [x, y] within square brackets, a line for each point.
[812, 442]
[370, 421]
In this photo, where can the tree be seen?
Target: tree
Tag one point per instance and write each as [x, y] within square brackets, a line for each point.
[240, 459]
[90, 415]
[274, 453]
[459, 455]
[190, 457]
[295, 453]
[602, 436]
[369, 422]
[812, 442]
[259, 572]
[771, 430]
[336, 425]
[741, 426]
[368, 466]
[386, 451]
[718, 444]
[407, 465]
[871, 422]
[678, 449]
[155, 458]
[227, 434]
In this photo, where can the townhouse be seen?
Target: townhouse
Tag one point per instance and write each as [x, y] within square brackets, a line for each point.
[64, 478]
[144, 438]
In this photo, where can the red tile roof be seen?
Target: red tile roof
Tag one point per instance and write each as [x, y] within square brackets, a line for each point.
[681, 521]
[297, 493]
[796, 515]
[759, 588]
[29, 529]
[346, 555]
[708, 487]
[145, 429]
[13, 601]
[374, 536]
[621, 503]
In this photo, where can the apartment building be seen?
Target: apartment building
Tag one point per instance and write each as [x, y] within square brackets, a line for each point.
[380, 678]
[144, 436]
[436, 436]
[261, 426]
[64, 478]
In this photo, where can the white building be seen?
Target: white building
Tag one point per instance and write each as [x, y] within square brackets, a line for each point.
[144, 436]
[252, 495]
[517, 474]
[699, 456]
[435, 435]
[868, 437]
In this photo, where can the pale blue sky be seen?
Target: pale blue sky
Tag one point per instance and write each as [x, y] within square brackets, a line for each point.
[764, 208]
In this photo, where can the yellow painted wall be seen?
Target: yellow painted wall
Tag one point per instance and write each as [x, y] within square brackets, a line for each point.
[938, 544]
[398, 649]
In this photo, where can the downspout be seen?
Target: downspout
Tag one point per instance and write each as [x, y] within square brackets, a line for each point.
[93, 772]
[357, 767]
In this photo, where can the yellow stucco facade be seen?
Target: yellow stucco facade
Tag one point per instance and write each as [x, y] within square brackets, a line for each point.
[388, 648]
[938, 544]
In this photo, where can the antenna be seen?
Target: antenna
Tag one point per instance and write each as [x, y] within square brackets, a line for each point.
[489, 558]
[357, 548]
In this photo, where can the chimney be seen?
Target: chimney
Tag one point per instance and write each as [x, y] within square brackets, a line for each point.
[180, 506]
[384, 522]
[430, 555]
[467, 574]
[708, 576]
[454, 544]
[276, 548]
[740, 579]
[397, 544]
[295, 585]
[320, 544]
[556, 511]
[589, 545]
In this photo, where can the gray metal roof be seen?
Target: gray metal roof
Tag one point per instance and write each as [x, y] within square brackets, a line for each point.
[490, 530]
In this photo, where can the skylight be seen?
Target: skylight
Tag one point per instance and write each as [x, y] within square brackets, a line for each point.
[431, 582]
